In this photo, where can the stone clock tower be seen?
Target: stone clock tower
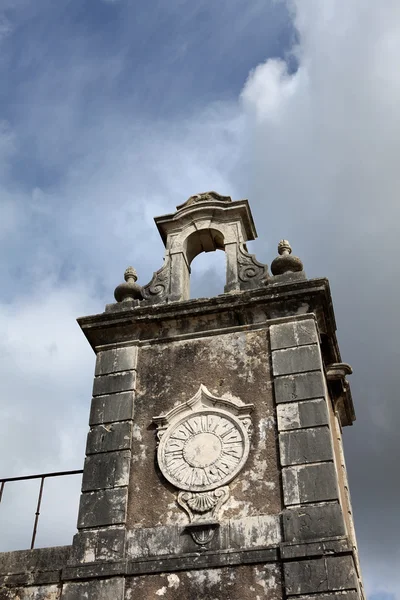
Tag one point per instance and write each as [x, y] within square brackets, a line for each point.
[214, 464]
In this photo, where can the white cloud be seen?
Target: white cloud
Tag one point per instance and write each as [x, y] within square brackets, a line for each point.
[324, 144]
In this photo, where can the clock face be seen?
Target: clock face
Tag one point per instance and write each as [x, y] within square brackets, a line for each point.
[203, 451]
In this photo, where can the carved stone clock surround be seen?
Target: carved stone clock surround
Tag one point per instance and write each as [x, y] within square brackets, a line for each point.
[204, 443]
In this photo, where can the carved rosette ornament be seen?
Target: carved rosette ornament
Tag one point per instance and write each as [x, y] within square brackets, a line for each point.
[204, 443]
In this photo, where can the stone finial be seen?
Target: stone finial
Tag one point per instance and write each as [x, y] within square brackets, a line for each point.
[129, 290]
[285, 262]
[284, 247]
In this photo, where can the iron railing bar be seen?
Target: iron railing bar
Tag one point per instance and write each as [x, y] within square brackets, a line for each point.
[42, 477]
[37, 513]
[56, 474]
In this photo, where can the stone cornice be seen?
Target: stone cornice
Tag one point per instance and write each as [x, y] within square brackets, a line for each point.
[236, 309]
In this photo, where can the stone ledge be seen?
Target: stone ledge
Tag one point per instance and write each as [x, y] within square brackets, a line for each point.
[349, 595]
[202, 561]
[31, 592]
[145, 323]
[95, 570]
[298, 291]
[171, 563]
[37, 560]
[250, 533]
[31, 578]
[329, 546]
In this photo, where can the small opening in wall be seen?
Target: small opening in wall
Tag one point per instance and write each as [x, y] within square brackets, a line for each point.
[208, 274]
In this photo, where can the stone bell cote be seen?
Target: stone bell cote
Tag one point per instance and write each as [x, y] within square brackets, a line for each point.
[204, 223]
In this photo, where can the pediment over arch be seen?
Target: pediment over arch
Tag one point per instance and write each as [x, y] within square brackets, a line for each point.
[194, 214]
[204, 197]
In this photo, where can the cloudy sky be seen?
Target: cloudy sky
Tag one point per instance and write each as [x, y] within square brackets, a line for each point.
[112, 112]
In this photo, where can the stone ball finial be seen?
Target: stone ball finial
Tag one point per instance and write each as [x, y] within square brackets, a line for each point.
[286, 262]
[129, 290]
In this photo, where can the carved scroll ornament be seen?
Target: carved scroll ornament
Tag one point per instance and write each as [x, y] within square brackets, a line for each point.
[157, 289]
[251, 273]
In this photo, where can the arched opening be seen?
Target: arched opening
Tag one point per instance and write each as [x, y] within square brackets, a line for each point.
[203, 240]
[208, 275]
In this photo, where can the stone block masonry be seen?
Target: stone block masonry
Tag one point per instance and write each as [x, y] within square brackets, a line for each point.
[313, 512]
[107, 466]
[280, 533]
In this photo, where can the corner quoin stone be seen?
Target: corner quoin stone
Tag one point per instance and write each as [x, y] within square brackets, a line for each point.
[112, 408]
[115, 360]
[106, 507]
[97, 545]
[305, 446]
[111, 384]
[107, 470]
[299, 415]
[292, 334]
[296, 360]
[309, 483]
[303, 386]
[306, 523]
[108, 438]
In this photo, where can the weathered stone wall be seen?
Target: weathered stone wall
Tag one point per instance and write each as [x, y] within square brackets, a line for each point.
[231, 365]
[281, 532]
[32, 574]
[250, 582]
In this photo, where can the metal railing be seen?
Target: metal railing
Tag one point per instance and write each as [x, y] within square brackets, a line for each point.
[42, 477]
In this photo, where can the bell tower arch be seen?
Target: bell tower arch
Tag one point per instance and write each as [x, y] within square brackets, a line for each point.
[205, 223]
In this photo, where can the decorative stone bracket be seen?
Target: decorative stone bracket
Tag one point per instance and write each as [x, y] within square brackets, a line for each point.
[339, 389]
[203, 509]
